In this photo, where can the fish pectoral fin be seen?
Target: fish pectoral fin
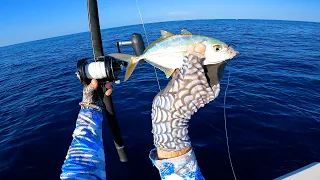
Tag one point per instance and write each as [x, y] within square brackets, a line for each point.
[165, 34]
[168, 72]
[185, 32]
[131, 60]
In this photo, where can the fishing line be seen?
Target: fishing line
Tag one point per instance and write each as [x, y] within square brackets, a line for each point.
[226, 129]
[145, 33]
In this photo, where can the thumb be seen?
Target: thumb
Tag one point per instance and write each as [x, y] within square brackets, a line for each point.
[94, 84]
[91, 87]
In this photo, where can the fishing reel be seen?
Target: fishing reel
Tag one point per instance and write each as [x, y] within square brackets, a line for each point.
[106, 68]
[136, 43]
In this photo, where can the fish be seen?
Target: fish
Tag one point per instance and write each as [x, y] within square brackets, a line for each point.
[167, 52]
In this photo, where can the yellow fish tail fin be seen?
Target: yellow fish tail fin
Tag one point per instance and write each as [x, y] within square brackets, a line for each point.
[131, 60]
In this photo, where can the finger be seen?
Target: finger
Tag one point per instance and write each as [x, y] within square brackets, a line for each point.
[108, 85]
[175, 72]
[94, 84]
[108, 92]
[200, 48]
[190, 49]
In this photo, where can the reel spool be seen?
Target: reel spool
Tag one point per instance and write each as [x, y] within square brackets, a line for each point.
[104, 69]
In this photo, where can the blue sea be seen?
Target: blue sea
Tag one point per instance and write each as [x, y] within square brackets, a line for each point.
[272, 103]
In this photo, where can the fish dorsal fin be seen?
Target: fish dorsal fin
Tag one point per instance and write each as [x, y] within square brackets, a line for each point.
[185, 32]
[166, 34]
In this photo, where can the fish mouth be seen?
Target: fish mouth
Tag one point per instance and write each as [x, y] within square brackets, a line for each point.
[232, 52]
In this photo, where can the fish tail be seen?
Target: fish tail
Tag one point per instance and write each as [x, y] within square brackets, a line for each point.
[131, 60]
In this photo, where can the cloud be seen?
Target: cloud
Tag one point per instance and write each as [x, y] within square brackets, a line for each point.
[178, 13]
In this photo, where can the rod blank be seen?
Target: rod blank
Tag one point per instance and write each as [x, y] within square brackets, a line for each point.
[94, 26]
[107, 100]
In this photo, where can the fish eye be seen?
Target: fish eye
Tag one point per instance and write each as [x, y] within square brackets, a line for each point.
[216, 47]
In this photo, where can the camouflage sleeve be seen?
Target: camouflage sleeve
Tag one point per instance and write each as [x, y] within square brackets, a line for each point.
[182, 167]
[85, 158]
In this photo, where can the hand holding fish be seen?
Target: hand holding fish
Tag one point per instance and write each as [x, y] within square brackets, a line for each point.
[189, 90]
[196, 48]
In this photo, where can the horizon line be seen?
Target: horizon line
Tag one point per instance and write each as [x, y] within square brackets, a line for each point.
[88, 31]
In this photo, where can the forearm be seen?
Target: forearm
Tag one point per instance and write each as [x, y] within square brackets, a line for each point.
[85, 158]
[188, 91]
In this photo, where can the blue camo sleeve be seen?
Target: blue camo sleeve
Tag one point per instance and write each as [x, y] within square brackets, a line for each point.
[182, 167]
[85, 158]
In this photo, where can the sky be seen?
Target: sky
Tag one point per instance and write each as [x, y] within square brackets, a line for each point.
[28, 20]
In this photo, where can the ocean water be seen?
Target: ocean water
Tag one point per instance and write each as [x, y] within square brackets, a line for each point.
[273, 103]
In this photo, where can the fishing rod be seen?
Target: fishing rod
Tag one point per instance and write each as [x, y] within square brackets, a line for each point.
[106, 69]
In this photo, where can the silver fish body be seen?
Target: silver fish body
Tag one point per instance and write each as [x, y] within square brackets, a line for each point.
[167, 52]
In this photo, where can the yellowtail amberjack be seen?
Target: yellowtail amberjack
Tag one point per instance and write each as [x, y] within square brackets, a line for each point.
[167, 52]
